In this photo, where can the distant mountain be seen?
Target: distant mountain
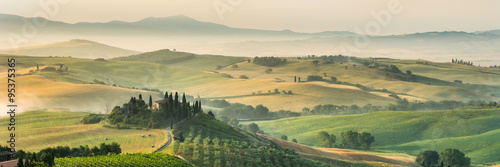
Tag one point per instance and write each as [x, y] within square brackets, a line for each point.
[74, 48]
[173, 25]
[497, 32]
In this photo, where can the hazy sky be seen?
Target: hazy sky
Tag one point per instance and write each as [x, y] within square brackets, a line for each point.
[296, 15]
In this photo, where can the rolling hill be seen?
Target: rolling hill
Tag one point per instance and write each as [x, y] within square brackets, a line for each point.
[75, 48]
[435, 81]
[268, 150]
[471, 131]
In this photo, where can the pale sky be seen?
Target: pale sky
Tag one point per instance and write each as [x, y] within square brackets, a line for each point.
[295, 15]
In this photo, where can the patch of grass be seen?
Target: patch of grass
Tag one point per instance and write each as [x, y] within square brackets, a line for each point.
[36, 130]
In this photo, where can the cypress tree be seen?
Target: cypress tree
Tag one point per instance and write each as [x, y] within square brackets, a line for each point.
[184, 107]
[176, 101]
[27, 163]
[140, 96]
[20, 162]
[150, 102]
[166, 95]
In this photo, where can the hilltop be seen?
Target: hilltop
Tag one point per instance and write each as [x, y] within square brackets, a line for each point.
[74, 48]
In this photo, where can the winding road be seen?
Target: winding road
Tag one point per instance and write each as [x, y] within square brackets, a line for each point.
[168, 142]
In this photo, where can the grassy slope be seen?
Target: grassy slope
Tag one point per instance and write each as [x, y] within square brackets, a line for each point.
[224, 131]
[38, 92]
[36, 130]
[404, 131]
[376, 78]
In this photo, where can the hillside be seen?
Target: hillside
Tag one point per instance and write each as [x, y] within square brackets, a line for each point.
[471, 131]
[343, 155]
[75, 48]
[36, 130]
[234, 143]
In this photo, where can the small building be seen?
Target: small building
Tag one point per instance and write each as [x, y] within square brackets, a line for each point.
[159, 103]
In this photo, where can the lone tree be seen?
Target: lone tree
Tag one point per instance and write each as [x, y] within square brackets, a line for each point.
[284, 137]
[234, 66]
[294, 140]
[454, 157]
[315, 62]
[252, 127]
[428, 158]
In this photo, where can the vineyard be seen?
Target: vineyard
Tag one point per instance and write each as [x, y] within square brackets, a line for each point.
[206, 146]
[135, 160]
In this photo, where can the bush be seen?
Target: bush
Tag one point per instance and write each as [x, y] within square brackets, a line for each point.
[92, 119]
[314, 78]
[243, 77]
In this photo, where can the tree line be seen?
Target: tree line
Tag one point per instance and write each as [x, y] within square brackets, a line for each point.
[401, 105]
[349, 139]
[269, 61]
[456, 61]
[46, 156]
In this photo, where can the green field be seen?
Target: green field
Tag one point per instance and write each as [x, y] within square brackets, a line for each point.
[139, 160]
[36, 130]
[475, 132]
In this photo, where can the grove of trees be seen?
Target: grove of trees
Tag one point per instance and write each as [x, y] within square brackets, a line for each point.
[447, 157]
[349, 139]
[269, 61]
[137, 113]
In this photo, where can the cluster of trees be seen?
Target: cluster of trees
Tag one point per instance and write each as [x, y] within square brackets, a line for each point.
[396, 73]
[205, 149]
[241, 111]
[92, 118]
[401, 105]
[96, 81]
[46, 156]
[494, 66]
[447, 157]
[456, 61]
[329, 59]
[269, 61]
[216, 103]
[137, 112]
[349, 139]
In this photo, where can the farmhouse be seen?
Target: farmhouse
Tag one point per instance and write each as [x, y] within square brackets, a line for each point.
[159, 103]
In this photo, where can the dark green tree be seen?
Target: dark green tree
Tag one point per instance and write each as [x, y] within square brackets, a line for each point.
[20, 162]
[366, 139]
[428, 158]
[252, 127]
[454, 157]
[350, 139]
[284, 137]
[326, 140]
[150, 102]
[140, 96]
[294, 140]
